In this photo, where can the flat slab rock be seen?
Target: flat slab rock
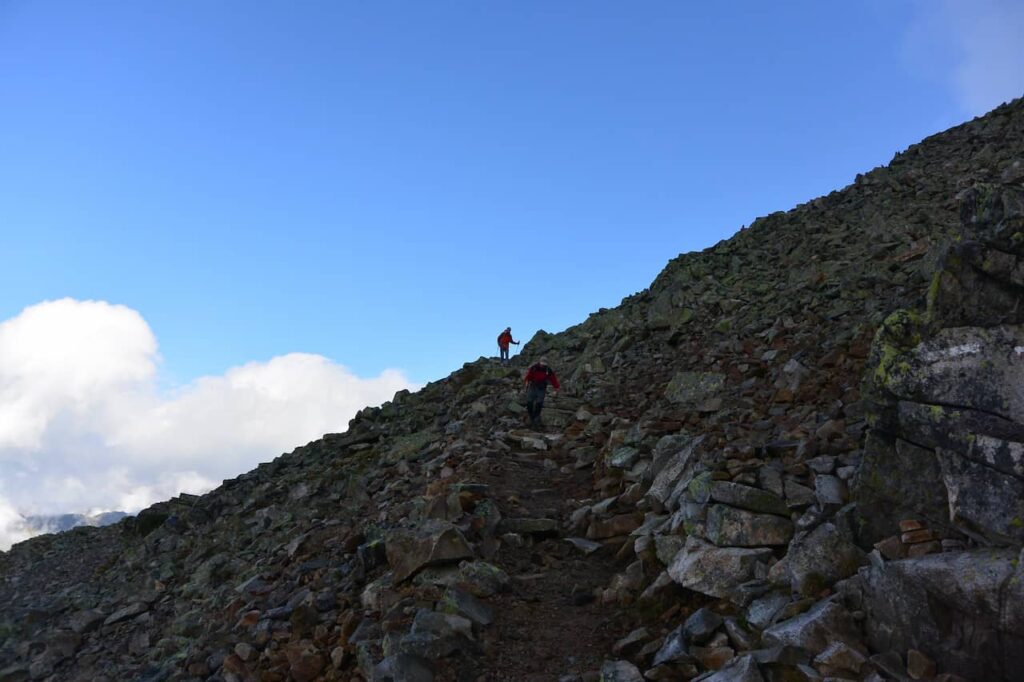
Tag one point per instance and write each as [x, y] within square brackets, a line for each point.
[815, 629]
[748, 497]
[431, 543]
[733, 527]
[715, 571]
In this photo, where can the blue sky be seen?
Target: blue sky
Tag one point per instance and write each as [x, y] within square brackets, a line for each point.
[389, 184]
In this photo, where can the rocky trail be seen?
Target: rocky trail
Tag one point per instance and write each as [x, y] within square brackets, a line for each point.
[796, 456]
[553, 582]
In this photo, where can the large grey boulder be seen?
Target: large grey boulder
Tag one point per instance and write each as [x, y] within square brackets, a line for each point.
[748, 497]
[965, 610]
[716, 571]
[820, 557]
[729, 526]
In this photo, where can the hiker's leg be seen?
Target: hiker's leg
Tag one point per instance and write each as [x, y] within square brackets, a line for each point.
[534, 401]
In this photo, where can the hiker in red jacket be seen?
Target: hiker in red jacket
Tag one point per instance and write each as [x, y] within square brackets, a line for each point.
[536, 381]
[504, 339]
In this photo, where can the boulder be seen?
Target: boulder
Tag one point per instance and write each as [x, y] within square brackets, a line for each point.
[749, 498]
[431, 543]
[305, 661]
[933, 371]
[620, 671]
[965, 610]
[840, 657]
[666, 450]
[404, 668]
[85, 621]
[819, 558]
[126, 612]
[623, 457]
[434, 636]
[481, 579]
[815, 629]
[982, 498]
[701, 624]
[461, 603]
[715, 571]
[631, 643]
[742, 669]
[763, 610]
[666, 547]
[693, 389]
[674, 649]
[677, 467]
[898, 479]
[732, 527]
[830, 491]
[798, 495]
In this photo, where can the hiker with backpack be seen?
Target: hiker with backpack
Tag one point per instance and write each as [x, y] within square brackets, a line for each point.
[536, 382]
[504, 339]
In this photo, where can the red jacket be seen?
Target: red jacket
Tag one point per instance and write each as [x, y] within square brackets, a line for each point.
[540, 376]
[504, 339]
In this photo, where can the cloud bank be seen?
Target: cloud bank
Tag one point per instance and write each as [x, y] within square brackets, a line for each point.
[975, 48]
[84, 426]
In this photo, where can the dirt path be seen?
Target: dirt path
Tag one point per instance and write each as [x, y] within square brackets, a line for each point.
[549, 625]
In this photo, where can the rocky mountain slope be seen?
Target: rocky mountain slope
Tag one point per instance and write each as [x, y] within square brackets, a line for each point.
[796, 456]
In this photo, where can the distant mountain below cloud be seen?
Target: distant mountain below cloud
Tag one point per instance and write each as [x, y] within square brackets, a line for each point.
[61, 522]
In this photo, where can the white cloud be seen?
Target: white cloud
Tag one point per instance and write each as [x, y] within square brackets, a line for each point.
[12, 528]
[83, 425]
[974, 47]
[66, 357]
